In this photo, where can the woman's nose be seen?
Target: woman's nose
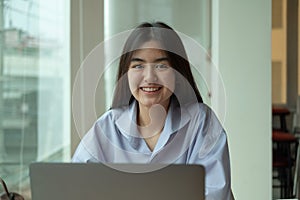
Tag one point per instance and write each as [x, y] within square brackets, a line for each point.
[150, 75]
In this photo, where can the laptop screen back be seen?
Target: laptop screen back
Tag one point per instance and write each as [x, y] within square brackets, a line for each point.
[74, 181]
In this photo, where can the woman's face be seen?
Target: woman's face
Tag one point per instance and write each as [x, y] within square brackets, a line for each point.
[150, 76]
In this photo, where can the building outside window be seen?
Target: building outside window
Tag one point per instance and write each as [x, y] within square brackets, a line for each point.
[34, 87]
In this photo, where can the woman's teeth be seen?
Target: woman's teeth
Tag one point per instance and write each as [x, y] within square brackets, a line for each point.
[150, 89]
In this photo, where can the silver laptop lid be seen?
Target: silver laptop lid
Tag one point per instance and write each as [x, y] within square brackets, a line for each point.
[78, 181]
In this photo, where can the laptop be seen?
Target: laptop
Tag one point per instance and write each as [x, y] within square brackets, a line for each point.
[77, 181]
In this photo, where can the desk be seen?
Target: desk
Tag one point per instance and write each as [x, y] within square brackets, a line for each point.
[282, 112]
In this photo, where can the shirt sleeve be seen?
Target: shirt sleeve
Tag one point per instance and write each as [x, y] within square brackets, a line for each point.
[217, 169]
[89, 149]
[78, 156]
[82, 155]
[210, 149]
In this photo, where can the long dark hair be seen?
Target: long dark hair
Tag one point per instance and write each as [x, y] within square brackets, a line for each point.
[173, 46]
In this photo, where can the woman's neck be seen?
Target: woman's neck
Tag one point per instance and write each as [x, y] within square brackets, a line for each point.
[154, 115]
[151, 121]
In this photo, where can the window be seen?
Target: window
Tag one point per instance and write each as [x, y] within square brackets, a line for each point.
[34, 87]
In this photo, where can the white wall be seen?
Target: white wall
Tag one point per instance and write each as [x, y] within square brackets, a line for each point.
[242, 49]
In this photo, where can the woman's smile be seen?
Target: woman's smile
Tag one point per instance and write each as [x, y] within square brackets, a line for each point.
[150, 90]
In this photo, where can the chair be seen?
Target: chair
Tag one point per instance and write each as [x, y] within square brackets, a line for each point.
[285, 147]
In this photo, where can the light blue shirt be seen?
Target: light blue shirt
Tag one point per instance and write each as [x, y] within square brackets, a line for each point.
[191, 135]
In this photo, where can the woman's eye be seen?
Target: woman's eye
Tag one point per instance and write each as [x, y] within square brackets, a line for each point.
[137, 67]
[161, 66]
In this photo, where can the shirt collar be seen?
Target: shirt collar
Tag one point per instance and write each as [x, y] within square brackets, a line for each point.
[177, 117]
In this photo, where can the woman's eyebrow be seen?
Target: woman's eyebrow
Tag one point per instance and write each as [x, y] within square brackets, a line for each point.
[137, 60]
[161, 59]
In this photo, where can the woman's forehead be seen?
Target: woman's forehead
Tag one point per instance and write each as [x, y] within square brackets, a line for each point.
[149, 55]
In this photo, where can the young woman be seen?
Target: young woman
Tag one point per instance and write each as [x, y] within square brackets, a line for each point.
[158, 115]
